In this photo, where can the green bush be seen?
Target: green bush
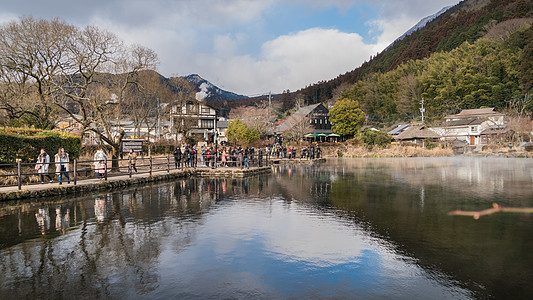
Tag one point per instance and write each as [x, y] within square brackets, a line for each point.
[25, 144]
[376, 138]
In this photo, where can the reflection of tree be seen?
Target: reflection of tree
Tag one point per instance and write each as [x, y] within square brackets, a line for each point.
[117, 250]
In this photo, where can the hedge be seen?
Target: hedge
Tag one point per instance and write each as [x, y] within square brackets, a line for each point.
[26, 143]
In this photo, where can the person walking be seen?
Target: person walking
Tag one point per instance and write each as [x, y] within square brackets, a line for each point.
[43, 161]
[62, 165]
[100, 159]
[132, 160]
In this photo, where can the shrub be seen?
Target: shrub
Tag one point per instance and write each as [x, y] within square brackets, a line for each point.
[376, 138]
[25, 143]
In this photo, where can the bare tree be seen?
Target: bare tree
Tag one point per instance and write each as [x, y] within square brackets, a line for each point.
[299, 127]
[256, 117]
[96, 85]
[181, 118]
[33, 54]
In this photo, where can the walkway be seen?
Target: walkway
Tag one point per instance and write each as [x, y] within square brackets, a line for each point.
[114, 181]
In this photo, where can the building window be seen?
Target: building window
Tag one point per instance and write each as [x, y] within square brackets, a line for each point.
[205, 110]
[473, 128]
[192, 108]
[207, 123]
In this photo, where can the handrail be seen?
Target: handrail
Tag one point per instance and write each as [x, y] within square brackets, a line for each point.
[148, 165]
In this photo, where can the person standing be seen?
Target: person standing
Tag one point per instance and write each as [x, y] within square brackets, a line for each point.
[177, 157]
[224, 157]
[132, 159]
[43, 161]
[62, 164]
[202, 156]
[194, 157]
[100, 159]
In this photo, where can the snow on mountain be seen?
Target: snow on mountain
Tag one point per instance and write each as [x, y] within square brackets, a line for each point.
[421, 24]
[208, 91]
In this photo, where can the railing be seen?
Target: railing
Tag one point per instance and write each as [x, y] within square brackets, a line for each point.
[19, 174]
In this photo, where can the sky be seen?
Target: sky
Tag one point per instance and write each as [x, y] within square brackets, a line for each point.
[249, 47]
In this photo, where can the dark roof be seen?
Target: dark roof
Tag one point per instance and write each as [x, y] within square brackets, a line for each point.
[319, 131]
[399, 129]
[460, 122]
[296, 117]
[495, 130]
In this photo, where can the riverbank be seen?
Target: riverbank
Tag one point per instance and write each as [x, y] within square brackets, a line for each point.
[351, 151]
[121, 181]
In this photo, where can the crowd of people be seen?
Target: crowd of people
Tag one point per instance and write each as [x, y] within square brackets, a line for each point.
[185, 156]
[312, 152]
[212, 157]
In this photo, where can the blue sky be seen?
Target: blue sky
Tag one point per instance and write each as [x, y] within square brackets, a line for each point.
[245, 46]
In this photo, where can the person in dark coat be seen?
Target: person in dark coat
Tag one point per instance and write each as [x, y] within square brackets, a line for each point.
[177, 157]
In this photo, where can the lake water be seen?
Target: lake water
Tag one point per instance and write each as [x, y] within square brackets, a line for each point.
[359, 228]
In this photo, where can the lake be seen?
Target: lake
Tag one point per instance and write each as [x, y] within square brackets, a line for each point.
[347, 228]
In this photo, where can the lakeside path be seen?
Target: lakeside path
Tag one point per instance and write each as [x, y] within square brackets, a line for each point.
[123, 180]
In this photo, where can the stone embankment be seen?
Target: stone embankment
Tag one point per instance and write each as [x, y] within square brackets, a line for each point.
[297, 161]
[121, 181]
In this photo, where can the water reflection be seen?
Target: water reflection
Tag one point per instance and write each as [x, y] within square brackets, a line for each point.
[349, 229]
[43, 219]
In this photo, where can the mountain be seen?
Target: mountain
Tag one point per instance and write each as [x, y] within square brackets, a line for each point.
[420, 24]
[465, 22]
[208, 91]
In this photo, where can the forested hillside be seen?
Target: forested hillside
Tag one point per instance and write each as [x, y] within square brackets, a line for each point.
[477, 53]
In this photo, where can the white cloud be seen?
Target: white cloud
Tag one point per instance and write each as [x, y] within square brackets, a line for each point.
[287, 62]
[207, 37]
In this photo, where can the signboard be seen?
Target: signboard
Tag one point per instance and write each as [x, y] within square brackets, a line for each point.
[136, 145]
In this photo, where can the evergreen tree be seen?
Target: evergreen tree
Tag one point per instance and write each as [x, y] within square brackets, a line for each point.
[346, 117]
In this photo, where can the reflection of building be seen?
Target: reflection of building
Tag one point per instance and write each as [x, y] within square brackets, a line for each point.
[474, 126]
[193, 118]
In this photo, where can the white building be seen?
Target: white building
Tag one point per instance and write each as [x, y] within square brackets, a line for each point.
[193, 118]
[474, 126]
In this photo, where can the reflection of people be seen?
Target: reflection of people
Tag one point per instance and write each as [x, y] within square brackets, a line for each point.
[43, 219]
[132, 159]
[62, 164]
[99, 209]
[100, 158]
[62, 219]
[43, 161]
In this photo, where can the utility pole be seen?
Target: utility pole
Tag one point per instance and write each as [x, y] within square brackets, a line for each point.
[269, 105]
[422, 109]
[158, 119]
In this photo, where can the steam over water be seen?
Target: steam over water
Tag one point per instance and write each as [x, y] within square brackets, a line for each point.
[360, 228]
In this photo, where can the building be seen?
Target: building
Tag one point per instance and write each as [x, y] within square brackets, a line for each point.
[222, 127]
[417, 134]
[474, 126]
[312, 119]
[193, 118]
